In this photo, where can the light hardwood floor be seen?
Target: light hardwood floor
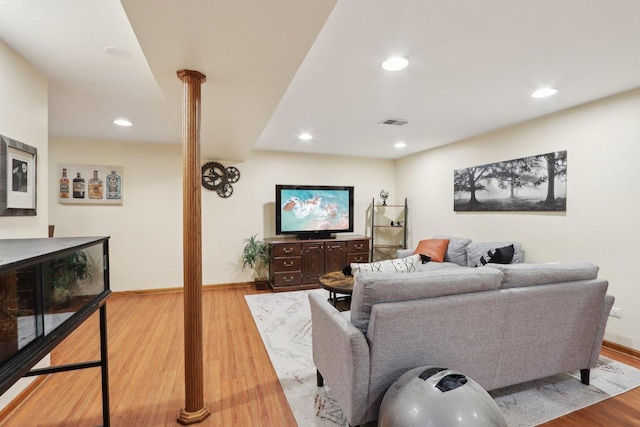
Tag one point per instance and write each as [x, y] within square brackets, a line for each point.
[147, 379]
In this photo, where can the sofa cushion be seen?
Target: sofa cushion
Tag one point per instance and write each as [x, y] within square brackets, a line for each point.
[373, 288]
[434, 248]
[403, 265]
[476, 249]
[521, 275]
[456, 250]
[497, 256]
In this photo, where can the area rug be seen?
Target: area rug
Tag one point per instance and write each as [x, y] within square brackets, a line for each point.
[284, 322]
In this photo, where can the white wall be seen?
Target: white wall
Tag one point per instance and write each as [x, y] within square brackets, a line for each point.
[602, 140]
[251, 208]
[145, 246]
[23, 117]
[146, 231]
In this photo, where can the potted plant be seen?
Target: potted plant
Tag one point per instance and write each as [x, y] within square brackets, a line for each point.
[255, 256]
[64, 273]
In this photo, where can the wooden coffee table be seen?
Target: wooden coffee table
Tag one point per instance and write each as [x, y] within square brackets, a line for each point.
[337, 283]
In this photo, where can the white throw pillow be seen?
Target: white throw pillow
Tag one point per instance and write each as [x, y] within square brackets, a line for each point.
[402, 265]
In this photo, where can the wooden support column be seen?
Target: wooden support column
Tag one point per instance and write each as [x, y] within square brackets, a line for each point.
[195, 409]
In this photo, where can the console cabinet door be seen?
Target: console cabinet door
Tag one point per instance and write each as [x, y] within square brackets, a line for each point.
[335, 256]
[313, 262]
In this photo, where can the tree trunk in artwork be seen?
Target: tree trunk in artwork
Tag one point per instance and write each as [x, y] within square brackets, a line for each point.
[472, 187]
[551, 175]
[195, 409]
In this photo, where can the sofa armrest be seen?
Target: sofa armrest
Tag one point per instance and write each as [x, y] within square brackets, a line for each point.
[597, 344]
[341, 355]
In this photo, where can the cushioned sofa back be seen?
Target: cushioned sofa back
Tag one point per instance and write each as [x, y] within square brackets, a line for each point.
[456, 250]
[373, 288]
[477, 249]
[520, 275]
[464, 252]
[550, 329]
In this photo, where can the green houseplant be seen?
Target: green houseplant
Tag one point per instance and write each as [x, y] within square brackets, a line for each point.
[255, 256]
[65, 271]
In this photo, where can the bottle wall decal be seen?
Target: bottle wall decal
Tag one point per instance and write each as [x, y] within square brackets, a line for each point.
[114, 184]
[64, 185]
[78, 187]
[96, 189]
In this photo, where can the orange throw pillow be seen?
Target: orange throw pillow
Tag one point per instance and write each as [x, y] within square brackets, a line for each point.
[435, 248]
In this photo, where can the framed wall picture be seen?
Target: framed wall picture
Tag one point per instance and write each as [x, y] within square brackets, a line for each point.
[90, 184]
[18, 184]
[534, 183]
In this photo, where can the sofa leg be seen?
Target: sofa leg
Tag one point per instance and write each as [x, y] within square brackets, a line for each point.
[319, 378]
[584, 376]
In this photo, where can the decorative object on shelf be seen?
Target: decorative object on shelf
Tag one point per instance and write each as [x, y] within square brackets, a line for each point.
[17, 178]
[216, 177]
[384, 195]
[90, 184]
[255, 256]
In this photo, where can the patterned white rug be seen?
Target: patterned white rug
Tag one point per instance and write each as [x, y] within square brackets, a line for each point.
[284, 322]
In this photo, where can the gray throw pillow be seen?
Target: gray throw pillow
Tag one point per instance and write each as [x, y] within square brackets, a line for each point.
[457, 249]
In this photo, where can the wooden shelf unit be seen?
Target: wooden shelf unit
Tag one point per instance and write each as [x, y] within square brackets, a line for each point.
[395, 236]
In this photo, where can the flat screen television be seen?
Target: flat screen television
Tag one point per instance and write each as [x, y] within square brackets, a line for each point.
[314, 211]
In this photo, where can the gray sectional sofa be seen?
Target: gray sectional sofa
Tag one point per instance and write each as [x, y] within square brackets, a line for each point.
[462, 252]
[498, 324]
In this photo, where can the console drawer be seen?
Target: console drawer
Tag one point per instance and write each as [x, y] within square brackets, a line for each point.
[362, 257]
[287, 279]
[358, 246]
[288, 249]
[286, 264]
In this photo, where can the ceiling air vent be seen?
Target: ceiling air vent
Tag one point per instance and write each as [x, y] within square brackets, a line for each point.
[394, 122]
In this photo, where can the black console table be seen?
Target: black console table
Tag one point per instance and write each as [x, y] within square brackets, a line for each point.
[48, 288]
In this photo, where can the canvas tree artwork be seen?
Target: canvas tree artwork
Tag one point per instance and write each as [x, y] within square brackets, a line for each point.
[534, 183]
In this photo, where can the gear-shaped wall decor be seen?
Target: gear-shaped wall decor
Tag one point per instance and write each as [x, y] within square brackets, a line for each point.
[216, 177]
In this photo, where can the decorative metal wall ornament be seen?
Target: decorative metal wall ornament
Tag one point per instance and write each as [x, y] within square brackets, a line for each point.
[216, 177]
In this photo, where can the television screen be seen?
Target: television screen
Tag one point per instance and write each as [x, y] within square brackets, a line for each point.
[313, 210]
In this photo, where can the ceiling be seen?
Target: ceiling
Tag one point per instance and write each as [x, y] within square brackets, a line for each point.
[275, 69]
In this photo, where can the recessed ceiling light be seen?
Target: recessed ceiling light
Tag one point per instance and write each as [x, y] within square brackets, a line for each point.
[395, 63]
[544, 92]
[122, 122]
[117, 52]
[305, 136]
[400, 144]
